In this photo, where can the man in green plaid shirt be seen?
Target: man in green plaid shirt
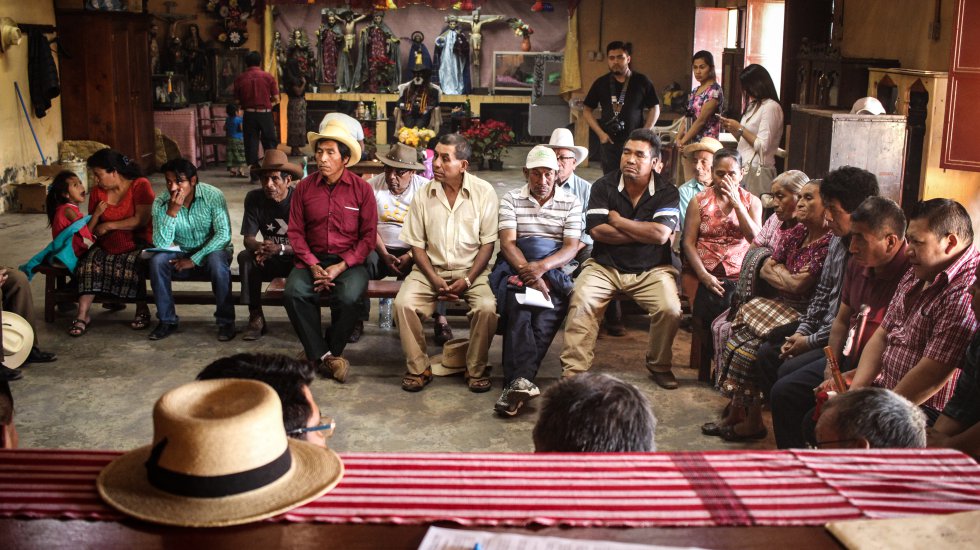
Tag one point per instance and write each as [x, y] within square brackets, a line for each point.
[194, 217]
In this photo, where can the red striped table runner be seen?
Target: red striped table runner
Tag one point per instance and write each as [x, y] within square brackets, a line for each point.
[658, 489]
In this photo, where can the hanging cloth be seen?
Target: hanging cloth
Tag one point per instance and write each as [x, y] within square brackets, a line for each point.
[42, 73]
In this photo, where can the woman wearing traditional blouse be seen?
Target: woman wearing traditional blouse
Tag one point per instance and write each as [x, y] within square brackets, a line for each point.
[760, 129]
[111, 266]
[705, 101]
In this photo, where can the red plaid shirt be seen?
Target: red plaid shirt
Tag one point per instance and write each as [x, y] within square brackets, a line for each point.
[931, 321]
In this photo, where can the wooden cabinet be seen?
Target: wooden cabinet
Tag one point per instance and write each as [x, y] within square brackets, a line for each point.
[920, 96]
[105, 81]
[825, 139]
[828, 80]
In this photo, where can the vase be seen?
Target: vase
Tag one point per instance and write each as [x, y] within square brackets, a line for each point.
[526, 44]
[495, 164]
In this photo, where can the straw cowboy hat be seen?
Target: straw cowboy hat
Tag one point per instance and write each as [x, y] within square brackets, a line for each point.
[336, 131]
[708, 144]
[452, 360]
[274, 160]
[220, 456]
[401, 156]
[562, 138]
[10, 33]
[18, 338]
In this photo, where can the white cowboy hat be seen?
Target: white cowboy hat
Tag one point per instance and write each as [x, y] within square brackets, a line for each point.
[452, 360]
[10, 34]
[220, 456]
[336, 131]
[562, 138]
[18, 338]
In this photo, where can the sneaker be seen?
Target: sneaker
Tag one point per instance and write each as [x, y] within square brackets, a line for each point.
[336, 367]
[515, 395]
[163, 330]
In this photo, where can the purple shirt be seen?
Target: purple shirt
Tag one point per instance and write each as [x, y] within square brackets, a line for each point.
[339, 219]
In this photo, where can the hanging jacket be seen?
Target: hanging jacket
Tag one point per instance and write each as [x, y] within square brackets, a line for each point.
[42, 73]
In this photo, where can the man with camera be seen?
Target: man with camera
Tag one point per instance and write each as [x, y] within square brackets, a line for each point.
[623, 95]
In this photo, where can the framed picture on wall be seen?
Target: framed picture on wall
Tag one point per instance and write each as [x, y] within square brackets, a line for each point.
[228, 64]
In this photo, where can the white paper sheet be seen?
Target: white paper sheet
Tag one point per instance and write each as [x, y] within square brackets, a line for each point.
[438, 538]
[534, 297]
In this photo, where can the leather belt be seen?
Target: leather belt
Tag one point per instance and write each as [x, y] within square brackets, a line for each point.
[258, 110]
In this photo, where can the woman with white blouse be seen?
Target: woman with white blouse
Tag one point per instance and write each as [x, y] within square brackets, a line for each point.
[760, 130]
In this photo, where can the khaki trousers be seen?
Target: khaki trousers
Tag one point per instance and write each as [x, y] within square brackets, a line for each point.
[15, 295]
[654, 290]
[417, 300]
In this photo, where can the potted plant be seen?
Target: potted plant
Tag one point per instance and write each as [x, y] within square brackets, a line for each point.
[489, 139]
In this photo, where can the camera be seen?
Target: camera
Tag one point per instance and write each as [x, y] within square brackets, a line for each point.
[614, 127]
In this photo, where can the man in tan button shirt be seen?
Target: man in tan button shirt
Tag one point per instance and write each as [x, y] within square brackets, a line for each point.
[452, 228]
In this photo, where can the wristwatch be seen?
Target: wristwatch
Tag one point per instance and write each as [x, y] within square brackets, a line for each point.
[467, 281]
[282, 249]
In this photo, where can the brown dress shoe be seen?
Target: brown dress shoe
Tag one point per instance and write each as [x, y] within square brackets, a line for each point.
[665, 380]
[256, 327]
[338, 367]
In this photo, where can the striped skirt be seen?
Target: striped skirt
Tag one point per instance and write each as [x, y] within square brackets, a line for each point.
[118, 275]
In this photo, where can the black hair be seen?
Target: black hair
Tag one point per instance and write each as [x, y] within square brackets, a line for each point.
[757, 83]
[649, 136]
[111, 160]
[944, 217]
[253, 59]
[881, 215]
[463, 148]
[849, 186]
[286, 375]
[342, 148]
[57, 193]
[726, 154]
[594, 413]
[619, 45]
[232, 109]
[708, 59]
[181, 167]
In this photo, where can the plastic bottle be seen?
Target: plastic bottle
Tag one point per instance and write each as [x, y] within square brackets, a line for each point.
[384, 313]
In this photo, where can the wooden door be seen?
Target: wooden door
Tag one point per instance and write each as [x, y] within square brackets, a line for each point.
[962, 116]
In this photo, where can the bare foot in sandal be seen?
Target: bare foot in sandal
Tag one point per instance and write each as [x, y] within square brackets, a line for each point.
[142, 319]
[78, 327]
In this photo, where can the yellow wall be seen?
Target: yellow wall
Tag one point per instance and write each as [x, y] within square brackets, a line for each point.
[899, 29]
[18, 154]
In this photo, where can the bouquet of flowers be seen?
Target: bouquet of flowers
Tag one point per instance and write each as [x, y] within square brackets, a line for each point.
[489, 138]
[521, 28]
[416, 137]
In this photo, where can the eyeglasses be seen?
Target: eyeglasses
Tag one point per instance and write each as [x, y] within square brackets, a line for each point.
[566, 159]
[822, 444]
[326, 425]
[396, 171]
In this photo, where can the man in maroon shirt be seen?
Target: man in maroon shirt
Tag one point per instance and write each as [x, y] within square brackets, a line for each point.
[333, 223]
[256, 92]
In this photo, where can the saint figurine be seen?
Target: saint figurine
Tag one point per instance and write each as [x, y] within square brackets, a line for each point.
[295, 83]
[330, 36]
[378, 65]
[451, 59]
[302, 52]
[154, 48]
[418, 46]
[418, 101]
[279, 50]
[476, 39]
[345, 65]
[196, 63]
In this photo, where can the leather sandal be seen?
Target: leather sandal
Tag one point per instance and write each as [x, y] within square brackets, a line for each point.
[141, 320]
[78, 328]
[416, 382]
[711, 428]
[478, 385]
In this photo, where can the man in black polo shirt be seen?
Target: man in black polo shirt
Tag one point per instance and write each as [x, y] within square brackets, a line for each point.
[623, 95]
[631, 214]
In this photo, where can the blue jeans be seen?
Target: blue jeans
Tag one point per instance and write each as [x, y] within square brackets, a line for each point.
[528, 335]
[216, 268]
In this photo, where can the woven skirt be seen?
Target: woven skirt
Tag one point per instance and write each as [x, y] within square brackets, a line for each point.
[235, 151]
[296, 122]
[118, 275]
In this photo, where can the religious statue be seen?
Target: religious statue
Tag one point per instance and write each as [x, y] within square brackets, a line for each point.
[418, 46]
[378, 65]
[295, 83]
[345, 65]
[329, 36]
[196, 64]
[418, 100]
[174, 60]
[279, 51]
[154, 48]
[452, 59]
[303, 53]
[476, 38]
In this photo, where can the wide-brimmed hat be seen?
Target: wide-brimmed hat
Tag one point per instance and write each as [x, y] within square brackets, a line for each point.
[867, 106]
[220, 456]
[401, 156]
[708, 144]
[541, 157]
[562, 138]
[18, 339]
[10, 33]
[452, 360]
[336, 131]
[276, 160]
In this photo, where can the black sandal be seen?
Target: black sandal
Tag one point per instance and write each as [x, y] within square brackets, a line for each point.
[78, 328]
[142, 320]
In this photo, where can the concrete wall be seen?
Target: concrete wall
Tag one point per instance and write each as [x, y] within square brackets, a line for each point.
[662, 33]
[899, 29]
[18, 154]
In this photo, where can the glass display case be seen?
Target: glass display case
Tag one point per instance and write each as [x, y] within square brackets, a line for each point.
[538, 72]
[169, 91]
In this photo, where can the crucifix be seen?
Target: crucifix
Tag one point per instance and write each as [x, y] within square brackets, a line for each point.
[173, 60]
[476, 22]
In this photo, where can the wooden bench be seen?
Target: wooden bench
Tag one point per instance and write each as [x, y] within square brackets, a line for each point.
[375, 289]
[57, 290]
